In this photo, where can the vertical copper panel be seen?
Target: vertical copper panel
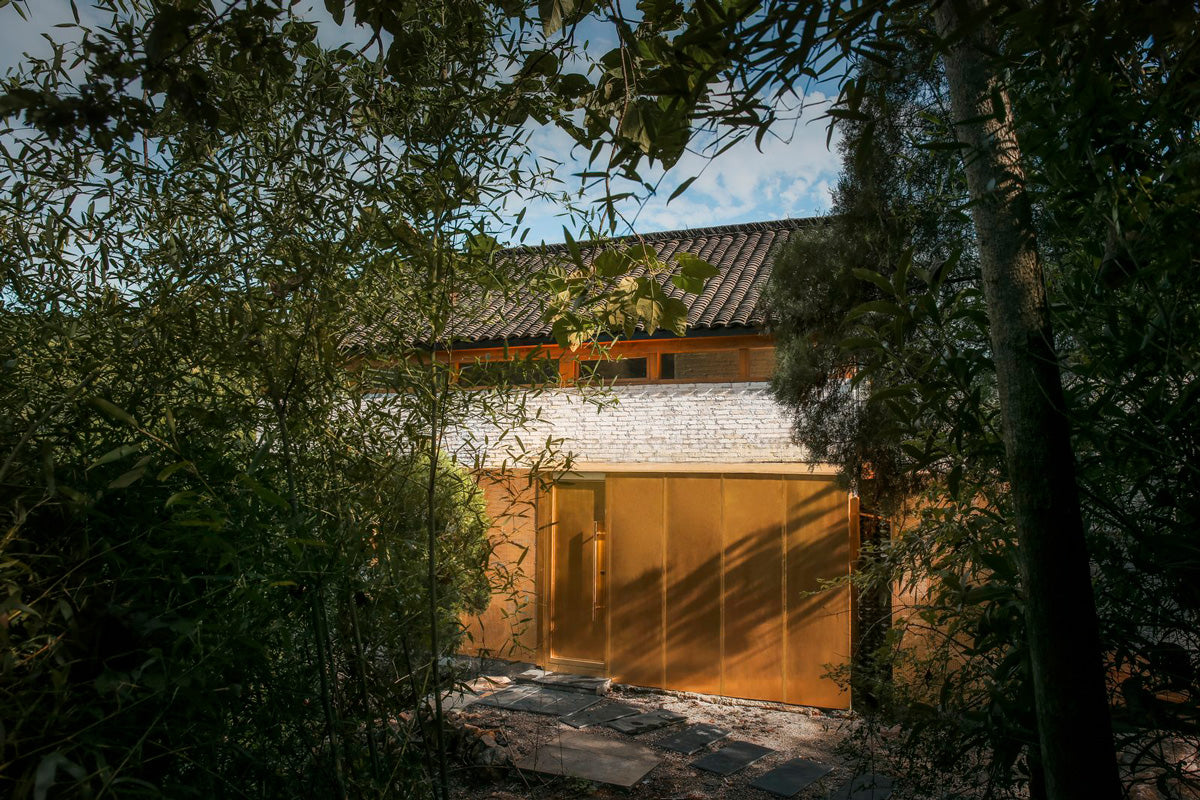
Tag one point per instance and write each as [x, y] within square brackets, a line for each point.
[576, 615]
[754, 618]
[818, 626]
[635, 508]
[693, 555]
[507, 628]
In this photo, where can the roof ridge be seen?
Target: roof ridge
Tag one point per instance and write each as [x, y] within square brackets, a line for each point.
[789, 223]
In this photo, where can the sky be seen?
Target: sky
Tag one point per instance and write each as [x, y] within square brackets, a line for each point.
[791, 176]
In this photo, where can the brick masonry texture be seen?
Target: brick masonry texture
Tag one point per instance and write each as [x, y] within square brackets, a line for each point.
[664, 423]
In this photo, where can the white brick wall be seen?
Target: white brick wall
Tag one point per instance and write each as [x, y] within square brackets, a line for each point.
[665, 423]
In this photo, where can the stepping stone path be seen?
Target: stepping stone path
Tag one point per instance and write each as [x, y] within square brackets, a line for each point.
[592, 758]
[599, 714]
[870, 786]
[790, 777]
[643, 723]
[731, 758]
[692, 739]
[620, 763]
[538, 700]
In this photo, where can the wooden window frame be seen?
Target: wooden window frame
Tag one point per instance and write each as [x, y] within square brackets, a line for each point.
[650, 349]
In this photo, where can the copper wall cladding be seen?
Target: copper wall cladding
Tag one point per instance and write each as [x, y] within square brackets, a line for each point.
[507, 627]
[716, 585]
[753, 651]
[635, 599]
[693, 584]
[712, 584]
[818, 625]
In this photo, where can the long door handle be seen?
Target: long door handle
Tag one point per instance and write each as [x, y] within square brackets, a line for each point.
[595, 567]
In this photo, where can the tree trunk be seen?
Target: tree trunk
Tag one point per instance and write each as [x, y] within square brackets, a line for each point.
[1072, 706]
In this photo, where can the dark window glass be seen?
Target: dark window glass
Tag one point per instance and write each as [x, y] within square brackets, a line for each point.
[625, 369]
[522, 372]
[709, 365]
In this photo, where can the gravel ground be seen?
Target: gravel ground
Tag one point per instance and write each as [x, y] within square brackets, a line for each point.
[789, 730]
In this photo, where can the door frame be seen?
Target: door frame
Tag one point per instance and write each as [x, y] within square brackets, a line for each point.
[543, 568]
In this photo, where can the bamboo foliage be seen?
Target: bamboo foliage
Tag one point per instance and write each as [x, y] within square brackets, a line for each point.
[227, 569]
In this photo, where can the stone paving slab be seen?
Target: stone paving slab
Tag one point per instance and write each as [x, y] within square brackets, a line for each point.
[869, 786]
[578, 683]
[452, 701]
[504, 698]
[489, 683]
[790, 777]
[538, 700]
[593, 758]
[731, 758]
[644, 723]
[599, 714]
[565, 680]
[692, 739]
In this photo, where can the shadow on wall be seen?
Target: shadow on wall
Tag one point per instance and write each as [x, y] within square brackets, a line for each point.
[714, 585]
[731, 601]
[507, 628]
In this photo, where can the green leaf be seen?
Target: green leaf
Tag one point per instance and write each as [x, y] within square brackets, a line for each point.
[888, 392]
[633, 128]
[988, 592]
[696, 267]
[113, 411]
[573, 85]
[482, 244]
[643, 254]
[541, 62]
[900, 279]
[954, 480]
[115, 454]
[262, 492]
[998, 107]
[886, 307]
[128, 478]
[874, 277]
[610, 264]
[681, 188]
[554, 14]
[337, 10]
[186, 497]
[171, 469]
[573, 248]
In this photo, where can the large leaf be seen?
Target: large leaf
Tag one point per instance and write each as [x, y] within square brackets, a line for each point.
[554, 14]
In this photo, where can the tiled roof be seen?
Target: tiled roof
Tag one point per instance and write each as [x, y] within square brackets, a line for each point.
[733, 299]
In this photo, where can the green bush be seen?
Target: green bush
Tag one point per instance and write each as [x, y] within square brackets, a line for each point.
[170, 617]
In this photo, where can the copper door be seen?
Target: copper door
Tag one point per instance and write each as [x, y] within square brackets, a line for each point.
[577, 591]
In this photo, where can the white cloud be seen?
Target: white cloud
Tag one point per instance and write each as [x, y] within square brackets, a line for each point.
[791, 176]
